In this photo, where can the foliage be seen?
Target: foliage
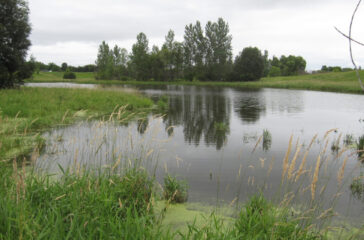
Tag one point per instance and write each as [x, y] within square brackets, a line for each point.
[274, 72]
[260, 220]
[69, 75]
[139, 58]
[175, 190]
[249, 65]
[14, 40]
[288, 66]
[357, 187]
[88, 206]
[111, 63]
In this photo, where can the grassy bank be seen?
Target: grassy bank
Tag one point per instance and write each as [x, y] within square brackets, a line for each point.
[26, 112]
[345, 82]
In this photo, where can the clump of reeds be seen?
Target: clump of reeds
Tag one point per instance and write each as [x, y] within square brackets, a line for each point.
[175, 191]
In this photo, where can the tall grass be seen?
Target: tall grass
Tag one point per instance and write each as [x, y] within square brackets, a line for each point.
[27, 111]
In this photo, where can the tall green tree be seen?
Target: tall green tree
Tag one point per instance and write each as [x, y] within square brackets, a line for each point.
[219, 50]
[139, 58]
[14, 40]
[292, 65]
[249, 65]
[172, 52]
[105, 62]
[189, 47]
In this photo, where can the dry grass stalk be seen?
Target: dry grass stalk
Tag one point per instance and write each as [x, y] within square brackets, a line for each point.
[116, 163]
[60, 197]
[315, 178]
[341, 152]
[233, 201]
[311, 143]
[262, 160]
[64, 116]
[301, 167]
[329, 131]
[286, 158]
[293, 163]
[324, 150]
[270, 166]
[327, 213]
[257, 143]
[340, 173]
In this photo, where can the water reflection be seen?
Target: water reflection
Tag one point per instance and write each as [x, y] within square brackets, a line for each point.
[249, 105]
[199, 112]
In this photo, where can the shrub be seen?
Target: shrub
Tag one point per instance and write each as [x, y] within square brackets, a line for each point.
[69, 75]
[175, 190]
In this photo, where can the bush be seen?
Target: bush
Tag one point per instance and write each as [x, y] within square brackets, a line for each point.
[175, 190]
[69, 75]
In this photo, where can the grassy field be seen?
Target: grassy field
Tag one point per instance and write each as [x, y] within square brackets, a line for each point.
[26, 112]
[332, 82]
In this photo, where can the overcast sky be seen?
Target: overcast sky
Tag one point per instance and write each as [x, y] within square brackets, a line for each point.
[71, 30]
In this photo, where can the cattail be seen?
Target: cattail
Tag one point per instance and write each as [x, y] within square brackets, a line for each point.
[340, 173]
[293, 163]
[315, 178]
[286, 158]
[301, 167]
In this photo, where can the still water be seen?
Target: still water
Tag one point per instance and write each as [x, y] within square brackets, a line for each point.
[212, 138]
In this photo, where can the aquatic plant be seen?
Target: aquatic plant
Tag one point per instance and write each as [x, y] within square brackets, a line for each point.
[360, 147]
[348, 140]
[163, 103]
[175, 191]
[357, 187]
[267, 140]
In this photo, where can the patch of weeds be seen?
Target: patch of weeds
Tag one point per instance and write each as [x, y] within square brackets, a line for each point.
[267, 140]
[348, 140]
[175, 190]
[163, 103]
[357, 187]
[360, 147]
[261, 220]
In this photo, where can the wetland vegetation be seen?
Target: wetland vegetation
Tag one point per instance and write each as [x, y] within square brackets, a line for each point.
[176, 142]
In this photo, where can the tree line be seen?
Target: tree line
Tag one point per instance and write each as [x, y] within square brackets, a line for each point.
[205, 54]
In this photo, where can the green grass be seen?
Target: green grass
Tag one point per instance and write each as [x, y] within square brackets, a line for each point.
[26, 112]
[175, 190]
[333, 82]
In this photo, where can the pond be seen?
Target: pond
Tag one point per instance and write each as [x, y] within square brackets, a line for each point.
[230, 143]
